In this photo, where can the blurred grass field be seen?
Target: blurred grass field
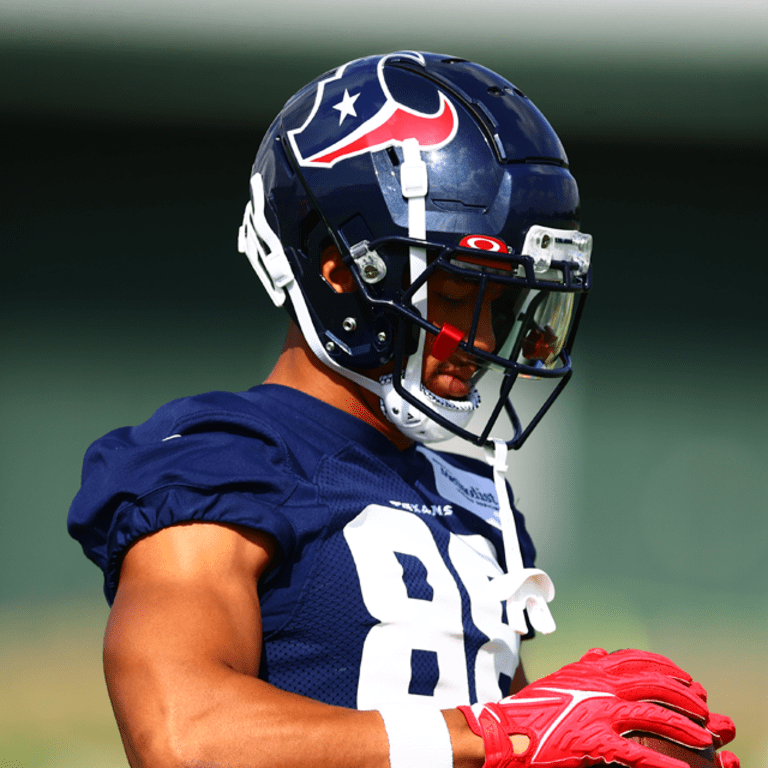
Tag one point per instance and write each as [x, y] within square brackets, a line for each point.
[54, 711]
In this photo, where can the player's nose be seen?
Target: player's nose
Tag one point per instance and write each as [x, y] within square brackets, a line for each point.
[485, 338]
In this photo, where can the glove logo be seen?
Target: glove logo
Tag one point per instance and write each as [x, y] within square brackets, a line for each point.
[574, 698]
[353, 115]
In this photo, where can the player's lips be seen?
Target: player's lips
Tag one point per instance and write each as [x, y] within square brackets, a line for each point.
[453, 381]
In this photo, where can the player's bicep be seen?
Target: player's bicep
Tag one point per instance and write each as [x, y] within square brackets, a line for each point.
[186, 611]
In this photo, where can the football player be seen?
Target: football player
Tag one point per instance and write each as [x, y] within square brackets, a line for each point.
[296, 578]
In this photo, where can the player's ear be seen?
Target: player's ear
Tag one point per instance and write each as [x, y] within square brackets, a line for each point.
[335, 272]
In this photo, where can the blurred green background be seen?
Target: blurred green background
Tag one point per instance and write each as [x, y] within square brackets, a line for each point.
[129, 130]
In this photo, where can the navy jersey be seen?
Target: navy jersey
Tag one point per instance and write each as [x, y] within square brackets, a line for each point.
[380, 592]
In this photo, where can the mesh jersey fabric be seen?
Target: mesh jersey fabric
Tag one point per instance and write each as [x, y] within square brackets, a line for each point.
[379, 591]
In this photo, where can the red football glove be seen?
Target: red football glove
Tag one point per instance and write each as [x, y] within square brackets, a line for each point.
[576, 717]
[723, 731]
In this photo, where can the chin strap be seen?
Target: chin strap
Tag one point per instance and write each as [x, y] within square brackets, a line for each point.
[414, 185]
[411, 421]
[523, 588]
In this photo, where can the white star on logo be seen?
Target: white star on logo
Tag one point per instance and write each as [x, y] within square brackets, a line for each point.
[346, 106]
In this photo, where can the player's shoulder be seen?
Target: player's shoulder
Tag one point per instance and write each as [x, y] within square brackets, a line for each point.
[204, 423]
[269, 435]
[210, 412]
[209, 439]
[217, 457]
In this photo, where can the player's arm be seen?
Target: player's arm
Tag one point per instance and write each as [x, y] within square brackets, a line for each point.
[182, 652]
[181, 656]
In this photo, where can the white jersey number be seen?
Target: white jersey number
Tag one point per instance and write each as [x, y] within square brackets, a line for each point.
[428, 625]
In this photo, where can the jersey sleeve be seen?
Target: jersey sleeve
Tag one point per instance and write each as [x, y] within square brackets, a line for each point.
[206, 459]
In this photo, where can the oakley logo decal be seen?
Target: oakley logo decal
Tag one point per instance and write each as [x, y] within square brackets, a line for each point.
[484, 243]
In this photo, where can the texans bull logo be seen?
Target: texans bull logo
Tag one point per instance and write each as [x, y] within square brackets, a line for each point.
[354, 114]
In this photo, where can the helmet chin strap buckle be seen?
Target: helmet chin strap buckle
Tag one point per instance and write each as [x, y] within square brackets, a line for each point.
[446, 342]
[413, 173]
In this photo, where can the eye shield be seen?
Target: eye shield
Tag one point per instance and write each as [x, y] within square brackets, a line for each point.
[530, 300]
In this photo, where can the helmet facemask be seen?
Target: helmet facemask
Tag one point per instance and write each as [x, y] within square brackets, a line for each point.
[477, 317]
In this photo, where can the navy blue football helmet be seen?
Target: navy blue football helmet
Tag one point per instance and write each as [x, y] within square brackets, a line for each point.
[415, 165]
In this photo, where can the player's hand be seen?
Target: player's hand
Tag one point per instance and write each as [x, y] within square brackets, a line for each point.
[575, 717]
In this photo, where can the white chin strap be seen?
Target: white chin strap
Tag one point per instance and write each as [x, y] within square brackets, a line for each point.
[411, 421]
[522, 588]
